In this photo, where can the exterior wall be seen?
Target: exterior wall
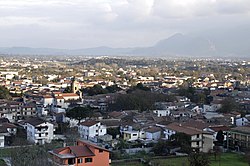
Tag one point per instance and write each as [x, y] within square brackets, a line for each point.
[241, 139]
[45, 135]
[242, 122]
[1, 140]
[162, 112]
[207, 143]
[153, 136]
[130, 135]
[101, 158]
[196, 142]
[47, 101]
[90, 132]
[168, 133]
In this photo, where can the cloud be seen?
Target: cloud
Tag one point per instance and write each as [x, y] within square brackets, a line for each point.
[78, 23]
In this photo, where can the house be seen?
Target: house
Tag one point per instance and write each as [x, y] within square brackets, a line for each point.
[161, 113]
[63, 100]
[90, 129]
[153, 133]
[6, 131]
[130, 134]
[39, 131]
[84, 153]
[243, 121]
[216, 128]
[240, 136]
[200, 140]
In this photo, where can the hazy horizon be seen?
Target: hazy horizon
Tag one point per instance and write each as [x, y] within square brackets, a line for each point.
[73, 24]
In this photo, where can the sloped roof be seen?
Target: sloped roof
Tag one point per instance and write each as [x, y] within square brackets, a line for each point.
[89, 123]
[35, 121]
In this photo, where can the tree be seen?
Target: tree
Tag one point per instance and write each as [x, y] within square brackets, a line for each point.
[95, 90]
[35, 155]
[160, 148]
[198, 159]
[79, 113]
[113, 88]
[228, 105]
[182, 140]
[4, 93]
[220, 137]
[113, 131]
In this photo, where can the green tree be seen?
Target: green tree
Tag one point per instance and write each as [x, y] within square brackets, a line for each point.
[220, 137]
[35, 155]
[198, 159]
[229, 105]
[160, 148]
[182, 140]
[79, 113]
[4, 93]
[113, 131]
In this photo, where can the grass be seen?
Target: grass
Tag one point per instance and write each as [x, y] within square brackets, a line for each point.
[230, 159]
[128, 164]
[226, 159]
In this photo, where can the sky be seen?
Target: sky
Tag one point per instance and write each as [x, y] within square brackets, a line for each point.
[75, 24]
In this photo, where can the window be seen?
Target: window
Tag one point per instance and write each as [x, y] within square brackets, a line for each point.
[197, 143]
[79, 160]
[198, 136]
[97, 131]
[101, 130]
[100, 150]
[134, 134]
[88, 160]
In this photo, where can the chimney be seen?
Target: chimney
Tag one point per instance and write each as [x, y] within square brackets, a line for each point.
[64, 144]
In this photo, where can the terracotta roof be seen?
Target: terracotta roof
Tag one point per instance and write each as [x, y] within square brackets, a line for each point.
[219, 127]
[59, 97]
[153, 129]
[69, 94]
[93, 145]
[183, 129]
[81, 151]
[89, 123]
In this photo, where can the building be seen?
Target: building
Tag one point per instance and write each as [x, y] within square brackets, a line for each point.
[7, 130]
[39, 131]
[240, 137]
[130, 134]
[153, 133]
[200, 140]
[84, 153]
[90, 129]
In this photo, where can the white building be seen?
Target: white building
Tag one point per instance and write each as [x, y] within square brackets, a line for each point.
[242, 121]
[63, 100]
[39, 131]
[161, 113]
[90, 129]
[153, 133]
[129, 134]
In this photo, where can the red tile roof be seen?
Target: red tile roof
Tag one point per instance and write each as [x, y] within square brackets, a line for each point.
[89, 123]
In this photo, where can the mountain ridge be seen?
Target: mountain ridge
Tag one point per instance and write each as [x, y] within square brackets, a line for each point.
[175, 45]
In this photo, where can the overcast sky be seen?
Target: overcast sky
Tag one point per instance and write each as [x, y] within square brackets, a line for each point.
[116, 23]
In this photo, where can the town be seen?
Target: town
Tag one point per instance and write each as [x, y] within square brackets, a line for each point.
[73, 110]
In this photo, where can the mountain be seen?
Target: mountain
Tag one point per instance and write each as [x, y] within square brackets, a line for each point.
[213, 45]
[181, 45]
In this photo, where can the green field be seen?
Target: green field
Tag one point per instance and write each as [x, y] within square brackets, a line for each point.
[226, 159]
